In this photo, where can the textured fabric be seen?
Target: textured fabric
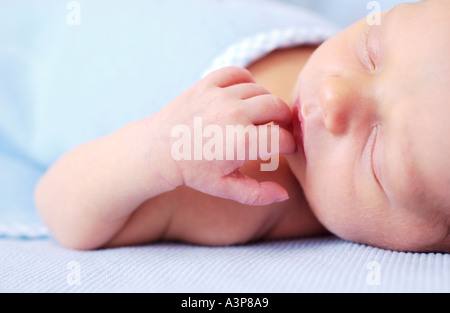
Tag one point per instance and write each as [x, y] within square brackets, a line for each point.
[62, 85]
[253, 48]
[305, 265]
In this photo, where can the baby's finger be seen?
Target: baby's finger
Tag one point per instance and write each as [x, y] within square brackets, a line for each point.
[248, 90]
[274, 140]
[230, 75]
[286, 142]
[249, 191]
[268, 108]
[258, 142]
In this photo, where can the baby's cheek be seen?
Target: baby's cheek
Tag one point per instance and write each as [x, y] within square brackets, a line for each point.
[350, 213]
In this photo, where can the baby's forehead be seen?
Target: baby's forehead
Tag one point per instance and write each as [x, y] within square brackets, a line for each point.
[426, 21]
[414, 38]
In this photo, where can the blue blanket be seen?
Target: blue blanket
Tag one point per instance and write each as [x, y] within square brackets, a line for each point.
[74, 71]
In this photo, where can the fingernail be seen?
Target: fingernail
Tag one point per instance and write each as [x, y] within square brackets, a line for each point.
[283, 198]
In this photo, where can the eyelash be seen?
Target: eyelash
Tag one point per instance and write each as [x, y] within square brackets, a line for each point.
[372, 150]
[366, 47]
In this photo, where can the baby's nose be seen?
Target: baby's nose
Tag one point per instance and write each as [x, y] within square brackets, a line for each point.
[343, 104]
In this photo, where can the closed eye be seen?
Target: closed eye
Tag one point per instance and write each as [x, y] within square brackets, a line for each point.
[372, 152]
[367, 56]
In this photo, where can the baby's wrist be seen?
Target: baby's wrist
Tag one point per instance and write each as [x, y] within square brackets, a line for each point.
[160, 145]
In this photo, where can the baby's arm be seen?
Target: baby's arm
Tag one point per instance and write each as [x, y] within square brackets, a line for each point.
[190, 216]
[91, 193]
[88, 195]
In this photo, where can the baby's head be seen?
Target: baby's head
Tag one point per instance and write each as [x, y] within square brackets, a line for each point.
[374, 106]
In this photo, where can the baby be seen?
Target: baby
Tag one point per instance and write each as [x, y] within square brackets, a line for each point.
[363, 140]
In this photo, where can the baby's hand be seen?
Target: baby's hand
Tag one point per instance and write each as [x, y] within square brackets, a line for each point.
[228, 97]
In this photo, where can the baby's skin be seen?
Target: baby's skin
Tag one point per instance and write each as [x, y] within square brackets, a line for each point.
[363, 146]
[127, 189]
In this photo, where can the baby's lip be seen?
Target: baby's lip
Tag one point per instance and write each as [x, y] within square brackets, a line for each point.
[297, 124]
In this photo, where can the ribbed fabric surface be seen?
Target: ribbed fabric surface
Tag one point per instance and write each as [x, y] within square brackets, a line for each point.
[307, 265]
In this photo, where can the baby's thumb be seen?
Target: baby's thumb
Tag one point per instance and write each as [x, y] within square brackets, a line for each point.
[249, 191]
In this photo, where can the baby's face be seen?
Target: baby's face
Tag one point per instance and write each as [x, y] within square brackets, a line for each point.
[374, 106]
